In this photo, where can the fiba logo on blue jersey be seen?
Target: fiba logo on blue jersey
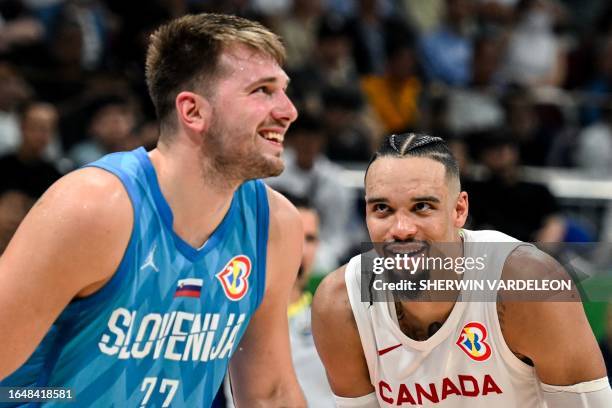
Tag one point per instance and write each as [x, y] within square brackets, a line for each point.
[234, 277]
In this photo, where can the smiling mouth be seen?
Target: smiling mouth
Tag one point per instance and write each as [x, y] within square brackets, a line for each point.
[405, 248]
[273, 136]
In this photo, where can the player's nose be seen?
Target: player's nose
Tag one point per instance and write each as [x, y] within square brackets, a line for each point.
[403, 228]
[285, 110]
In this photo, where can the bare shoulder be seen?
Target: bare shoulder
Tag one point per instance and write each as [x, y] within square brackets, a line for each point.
[283, 214]
[89, 200]
[331, 301]
[284, 245]
[529, 262]
[552, 331]
[87, 214]
[72, 240]
[331, 308]
[88, 185]
[520, 308]
[284, 238]
[337, 338]
[526, 263]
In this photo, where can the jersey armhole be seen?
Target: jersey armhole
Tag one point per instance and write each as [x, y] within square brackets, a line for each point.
[352, 280]
[505, 352]
[104, 293]
[263, 226]
[112, 285]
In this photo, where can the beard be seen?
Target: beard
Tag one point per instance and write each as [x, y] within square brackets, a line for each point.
[235, 159]
[413, 249]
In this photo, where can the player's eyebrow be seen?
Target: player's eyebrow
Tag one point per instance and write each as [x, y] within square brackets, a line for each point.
[431, 199]
[376, 200]
[267, 80]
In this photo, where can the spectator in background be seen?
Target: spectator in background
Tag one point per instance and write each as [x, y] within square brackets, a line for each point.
[55, 71]
[128, 49]
[18, 28]
[27, 168]
[14, 91]
[299, 31]
[446, 52]
[497, 12]
[477, 107]
[460, 151]
[524, 210]
[533, 136]
[371, 32]
[90, 16]
[14, 205]
[331, 65]
[423, 15]
[271, 8]
[601, 84]
[109, 130]
[594, 149]
[394, 96]
[350, 126]
[535, 57]
[435, 113]
[309, 174]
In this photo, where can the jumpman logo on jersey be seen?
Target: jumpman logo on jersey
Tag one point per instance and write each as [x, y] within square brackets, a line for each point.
[150, 261]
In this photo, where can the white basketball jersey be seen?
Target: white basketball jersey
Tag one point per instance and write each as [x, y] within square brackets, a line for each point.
[466, 363]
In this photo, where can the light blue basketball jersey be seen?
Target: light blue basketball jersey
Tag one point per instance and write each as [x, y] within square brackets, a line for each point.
[162, 330]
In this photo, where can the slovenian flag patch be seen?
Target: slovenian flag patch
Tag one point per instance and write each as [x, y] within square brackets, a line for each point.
[188, 288]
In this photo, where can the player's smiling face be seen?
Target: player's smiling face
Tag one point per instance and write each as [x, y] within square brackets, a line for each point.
[251, 114]
[411, 200]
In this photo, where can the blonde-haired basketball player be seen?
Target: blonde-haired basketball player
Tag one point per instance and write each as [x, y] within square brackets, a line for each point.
[134, 281]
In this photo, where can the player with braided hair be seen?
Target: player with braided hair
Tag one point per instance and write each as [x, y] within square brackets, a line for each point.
[449, 351]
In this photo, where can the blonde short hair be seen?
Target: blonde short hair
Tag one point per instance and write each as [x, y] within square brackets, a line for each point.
[184, 54]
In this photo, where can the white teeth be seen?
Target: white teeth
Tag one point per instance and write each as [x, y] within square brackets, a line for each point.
[277, 137]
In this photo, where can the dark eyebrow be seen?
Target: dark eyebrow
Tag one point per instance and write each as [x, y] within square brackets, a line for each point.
[376, 200]
[431, 199]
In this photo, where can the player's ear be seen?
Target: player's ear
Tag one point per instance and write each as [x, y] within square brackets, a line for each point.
[193, 112]
[461, 209]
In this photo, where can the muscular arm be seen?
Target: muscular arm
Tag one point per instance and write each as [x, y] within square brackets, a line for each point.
[261, 369]
[556, 336]
[69, 245]
[337, 338]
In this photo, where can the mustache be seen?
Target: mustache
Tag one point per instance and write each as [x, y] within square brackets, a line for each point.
[408, 247]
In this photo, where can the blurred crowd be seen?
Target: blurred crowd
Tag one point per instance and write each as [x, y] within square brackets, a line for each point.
[507, 82]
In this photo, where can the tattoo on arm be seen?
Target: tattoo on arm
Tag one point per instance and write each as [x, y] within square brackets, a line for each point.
[501, 315]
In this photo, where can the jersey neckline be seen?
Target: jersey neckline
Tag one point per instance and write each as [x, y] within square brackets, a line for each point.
[449, 325]
[188, 251]
[447, 328]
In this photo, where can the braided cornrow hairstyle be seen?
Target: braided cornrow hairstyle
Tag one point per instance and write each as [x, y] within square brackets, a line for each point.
[415, 145]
